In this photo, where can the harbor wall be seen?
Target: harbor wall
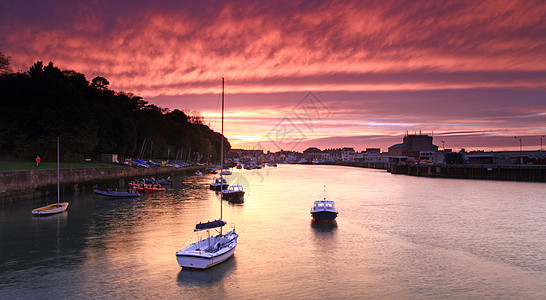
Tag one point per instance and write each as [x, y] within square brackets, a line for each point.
[534, 173]
[25, 184]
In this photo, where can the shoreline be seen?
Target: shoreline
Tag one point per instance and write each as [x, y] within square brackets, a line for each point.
[20, 185]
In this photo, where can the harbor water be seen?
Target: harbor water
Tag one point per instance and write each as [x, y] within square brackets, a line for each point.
[396, 237]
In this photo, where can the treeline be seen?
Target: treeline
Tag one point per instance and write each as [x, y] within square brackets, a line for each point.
[46, 102]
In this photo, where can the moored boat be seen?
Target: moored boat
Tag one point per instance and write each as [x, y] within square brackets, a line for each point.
[111, 193]
[54, 208]
[141, 186]
[323, 211]
[219, 184]
[209, 251]
[152, 180]
[215, 249]
[51, 209]
[234, 194]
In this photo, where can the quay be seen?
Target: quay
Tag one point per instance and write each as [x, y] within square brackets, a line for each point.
[534, 173]
[25, 184]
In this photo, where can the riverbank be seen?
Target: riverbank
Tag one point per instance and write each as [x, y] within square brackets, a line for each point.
[25, 184]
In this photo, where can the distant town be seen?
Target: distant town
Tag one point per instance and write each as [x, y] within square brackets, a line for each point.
[415, 156]
[414, 149]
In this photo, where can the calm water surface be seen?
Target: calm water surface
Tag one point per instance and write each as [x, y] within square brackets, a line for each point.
[396, 236]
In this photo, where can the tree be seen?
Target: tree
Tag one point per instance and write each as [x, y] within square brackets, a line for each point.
[100, 83]
[46, 102]
[4, 64]
[37, 69]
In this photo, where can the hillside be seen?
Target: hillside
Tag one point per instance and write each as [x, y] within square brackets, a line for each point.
[46, 102]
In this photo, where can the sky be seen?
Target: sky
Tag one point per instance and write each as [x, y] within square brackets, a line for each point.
[301, 74]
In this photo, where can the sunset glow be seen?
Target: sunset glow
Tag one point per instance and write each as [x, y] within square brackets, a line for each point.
[470, 72]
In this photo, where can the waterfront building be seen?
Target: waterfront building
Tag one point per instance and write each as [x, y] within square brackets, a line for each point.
[311, 154]
[418, 146]
[347, 154]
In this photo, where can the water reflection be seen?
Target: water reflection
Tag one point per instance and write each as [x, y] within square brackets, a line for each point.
[405, 237]
[49, 219]
[324, 227]
[206, 277]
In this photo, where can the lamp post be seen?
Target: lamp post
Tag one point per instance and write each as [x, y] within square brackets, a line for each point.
[541, 142]
[519, 142]
[444, 145]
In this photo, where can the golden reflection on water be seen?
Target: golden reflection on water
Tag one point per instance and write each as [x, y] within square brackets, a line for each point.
[395, 237]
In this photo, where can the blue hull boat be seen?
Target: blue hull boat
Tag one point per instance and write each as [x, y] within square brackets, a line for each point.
[116, 194]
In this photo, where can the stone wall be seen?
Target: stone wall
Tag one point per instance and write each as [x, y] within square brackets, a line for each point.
[24, 184]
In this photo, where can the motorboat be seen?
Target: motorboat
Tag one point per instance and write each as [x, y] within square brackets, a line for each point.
[219, 184]
[323, 211]
[234, 194]
[198, 173]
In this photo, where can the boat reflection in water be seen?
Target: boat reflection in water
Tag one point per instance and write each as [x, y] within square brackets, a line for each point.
[205, 277]
[323, 227]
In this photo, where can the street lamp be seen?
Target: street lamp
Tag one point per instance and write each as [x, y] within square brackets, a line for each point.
[519, 142]
[444, 145]
[541, 142]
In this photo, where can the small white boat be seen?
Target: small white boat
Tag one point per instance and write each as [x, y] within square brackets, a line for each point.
[56, 207]
[234, 193]
[198, 173]
[51, 209]
[226, 172]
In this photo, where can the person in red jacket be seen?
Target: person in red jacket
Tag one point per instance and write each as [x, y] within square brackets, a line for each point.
[38, 161]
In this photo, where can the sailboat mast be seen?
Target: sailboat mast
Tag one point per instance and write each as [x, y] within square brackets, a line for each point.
[222, 155]
[58, 173]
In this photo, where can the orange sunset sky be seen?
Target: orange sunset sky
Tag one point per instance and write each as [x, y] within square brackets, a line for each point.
[309, 73]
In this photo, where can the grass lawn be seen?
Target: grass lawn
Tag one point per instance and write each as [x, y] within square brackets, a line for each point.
[9, 166]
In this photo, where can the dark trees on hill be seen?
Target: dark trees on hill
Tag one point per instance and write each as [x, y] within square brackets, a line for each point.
[90, 119]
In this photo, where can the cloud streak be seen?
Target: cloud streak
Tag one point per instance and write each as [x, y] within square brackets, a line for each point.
[382, 67]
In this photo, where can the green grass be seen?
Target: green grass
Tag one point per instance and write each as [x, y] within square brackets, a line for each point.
[10, 166]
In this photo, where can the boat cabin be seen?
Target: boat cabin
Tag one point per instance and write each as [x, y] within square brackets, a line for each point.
[324, 205]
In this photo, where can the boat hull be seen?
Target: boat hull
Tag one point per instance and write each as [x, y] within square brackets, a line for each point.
[50, 209]
[116, 194]
[218, 187]
[234, 197]
[324, 216]
[192, 257]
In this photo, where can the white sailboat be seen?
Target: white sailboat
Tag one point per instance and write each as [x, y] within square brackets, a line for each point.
[55, 207]
[214, 249]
